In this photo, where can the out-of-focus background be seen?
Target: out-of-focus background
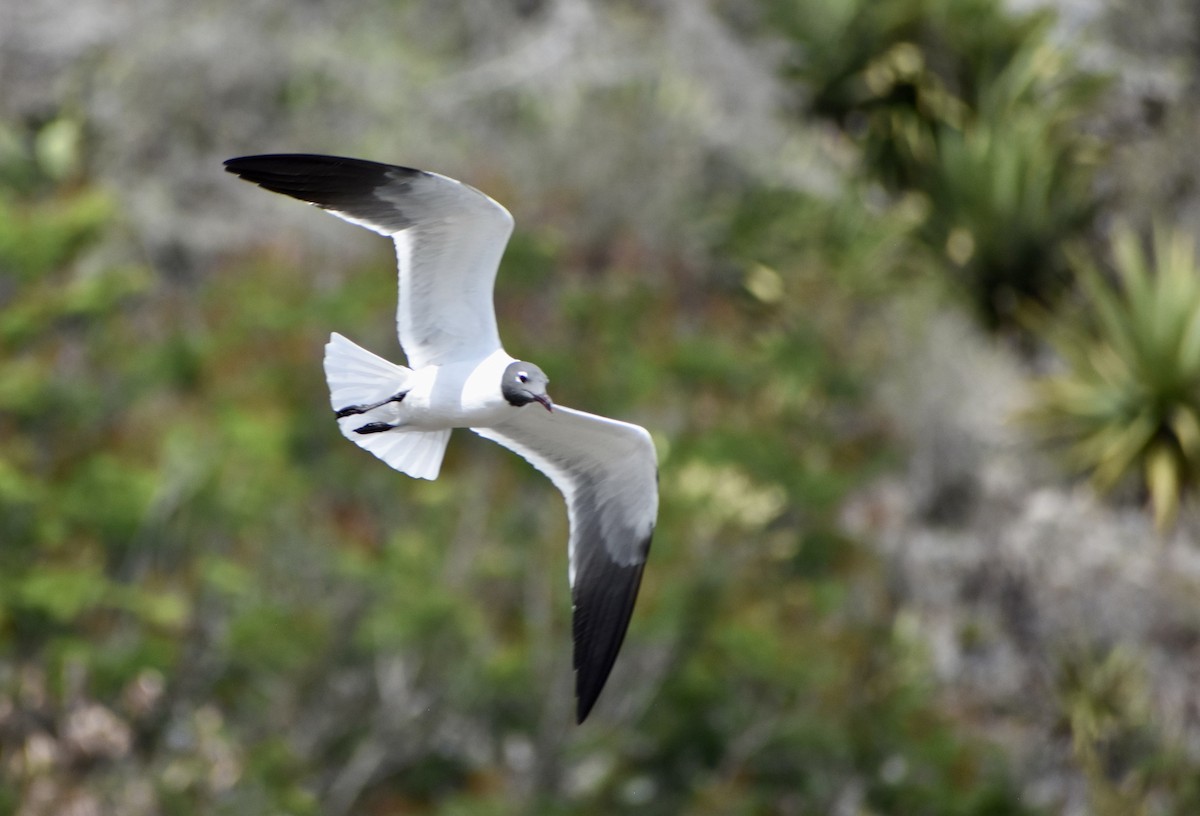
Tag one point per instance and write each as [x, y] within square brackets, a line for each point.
[905, 291]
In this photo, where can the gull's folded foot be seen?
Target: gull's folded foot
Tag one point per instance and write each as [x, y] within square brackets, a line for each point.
[375, 427]
[351, 410]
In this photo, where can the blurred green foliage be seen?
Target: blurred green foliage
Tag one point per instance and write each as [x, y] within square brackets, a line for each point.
[275, 625]
[972, 108]
[209, 603]
[1129, 767]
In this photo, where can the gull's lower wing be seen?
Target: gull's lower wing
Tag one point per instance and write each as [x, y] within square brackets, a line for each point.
[607, 471]
[449, 238]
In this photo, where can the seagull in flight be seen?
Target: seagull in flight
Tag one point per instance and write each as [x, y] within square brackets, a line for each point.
[449, 238]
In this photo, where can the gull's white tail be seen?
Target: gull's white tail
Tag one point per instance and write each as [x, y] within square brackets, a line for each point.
[358, 377]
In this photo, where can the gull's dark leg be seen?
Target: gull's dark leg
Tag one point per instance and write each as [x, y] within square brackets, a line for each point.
[375, 427]
[351, 410]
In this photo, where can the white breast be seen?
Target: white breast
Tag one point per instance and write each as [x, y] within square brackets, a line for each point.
[458, 395]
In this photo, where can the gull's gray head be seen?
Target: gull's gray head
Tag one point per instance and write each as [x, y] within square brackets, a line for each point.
[524, 383]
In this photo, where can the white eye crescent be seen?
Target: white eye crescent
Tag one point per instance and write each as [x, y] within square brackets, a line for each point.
[522, 376]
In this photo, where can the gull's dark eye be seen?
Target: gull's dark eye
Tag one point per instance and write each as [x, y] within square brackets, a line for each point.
[523, 377]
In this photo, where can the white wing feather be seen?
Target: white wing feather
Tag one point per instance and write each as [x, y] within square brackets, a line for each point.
[607, 472]
[449, 239]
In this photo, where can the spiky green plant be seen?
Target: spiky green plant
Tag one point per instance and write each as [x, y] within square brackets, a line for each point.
[1127, 404]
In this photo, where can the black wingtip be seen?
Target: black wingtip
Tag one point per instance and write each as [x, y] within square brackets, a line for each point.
[336, 183]
[299, 163]
[604, 602]
[308, 174]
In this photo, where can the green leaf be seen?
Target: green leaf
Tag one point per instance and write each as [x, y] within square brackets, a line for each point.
[1163, 478]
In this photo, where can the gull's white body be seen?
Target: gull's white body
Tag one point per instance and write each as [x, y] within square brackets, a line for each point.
[439, 399]
[452, 395]
[449, 239]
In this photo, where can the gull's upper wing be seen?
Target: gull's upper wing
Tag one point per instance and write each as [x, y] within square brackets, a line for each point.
[608, 473]
[449, 238]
